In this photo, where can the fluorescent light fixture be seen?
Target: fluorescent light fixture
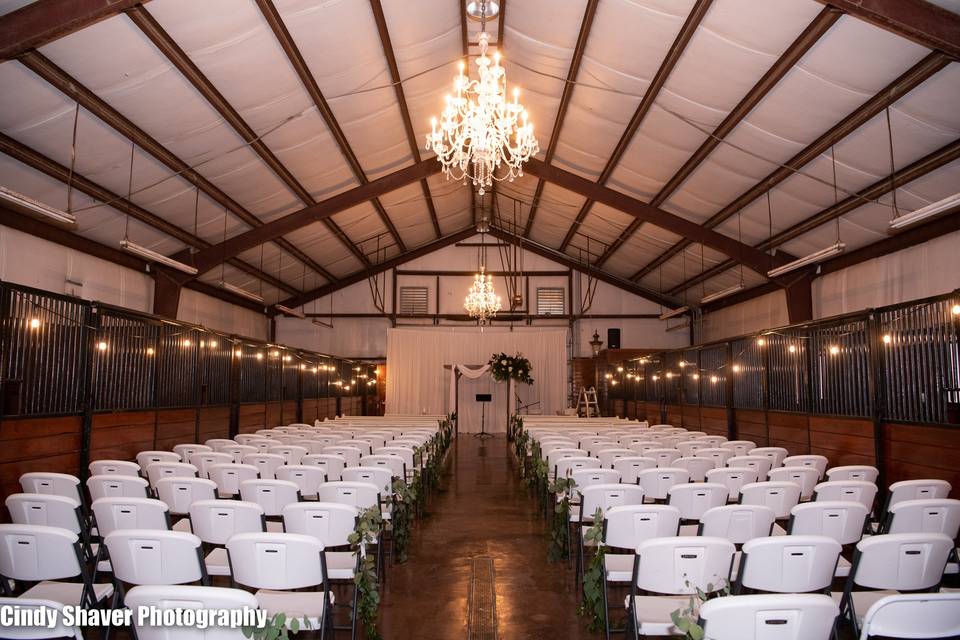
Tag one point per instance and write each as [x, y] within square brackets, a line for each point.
[926, 212]
[240, 292]
[676, 312]
[35, 208]
[153, 256]
[721, 294]
[287, 311]
[813, 258]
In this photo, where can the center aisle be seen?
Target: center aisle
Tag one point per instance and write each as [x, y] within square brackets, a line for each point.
[483, 512]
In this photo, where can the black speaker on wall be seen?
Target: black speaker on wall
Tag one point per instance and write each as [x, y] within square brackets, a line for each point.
[613, 338]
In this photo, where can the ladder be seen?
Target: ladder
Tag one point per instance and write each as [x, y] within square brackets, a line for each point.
[587, 405]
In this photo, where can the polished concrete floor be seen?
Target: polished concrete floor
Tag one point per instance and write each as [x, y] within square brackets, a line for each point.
[482, 513]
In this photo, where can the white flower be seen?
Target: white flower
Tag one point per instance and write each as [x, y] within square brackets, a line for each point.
[503, 362]
[509, 368]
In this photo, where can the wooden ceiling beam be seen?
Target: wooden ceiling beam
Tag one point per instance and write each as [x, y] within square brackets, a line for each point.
[388, 52]
[589, 13]
[273, 18]
[787, 60]
[35, 160]
[942, 156]
[679, 45]
[44, 21]
[179, 59]
[923, 22]
[910, 79]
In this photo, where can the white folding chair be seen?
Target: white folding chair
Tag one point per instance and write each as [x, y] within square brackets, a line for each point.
[159, 470]
[58, 484]
[216, 443]
[395, 464]
[187, 450]
[565, 467]
[333, 465]
[657, 482]
[51, 511]
[608, 456]
[788, 564]
[897, 562]
[842, 521]
[711, 441]
[362, 446]
[848, 491]
[351, 455]
[941, 515]
[146, 458]
[238, 451]
[187, 597]
[362, 495]
[203, 461]
[113, 514]
[916, 490]
[775, 455]
[265, 463]
[719, 455]
[733, 478]
[630, 467]
[740, 447]
[697, 467]
[671, 569]
[229, 476]
[281, 566]
[914, 615]
[32, 609]
[664, 457]
[695, 498]
[738, 523]
[152, 557]
[117, 486]
[779, 496]
[689, 448]
[865, 473]
[307, 478]
[216, 521]
[316, 443]
[806, 477]
[817, 462]
[241, 438]
[584, 478]
[180, 493]
[114, 468]
[802, 616]
[291, 453]
[271, 494]
[760, 464]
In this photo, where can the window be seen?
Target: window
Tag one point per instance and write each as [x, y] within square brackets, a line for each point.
[413, 300]
[550, 301]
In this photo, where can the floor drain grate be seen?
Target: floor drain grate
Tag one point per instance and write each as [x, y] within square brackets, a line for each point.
[482, 601]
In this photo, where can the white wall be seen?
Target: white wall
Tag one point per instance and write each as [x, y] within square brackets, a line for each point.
[28, 260]
[367, 337]
[924, 270]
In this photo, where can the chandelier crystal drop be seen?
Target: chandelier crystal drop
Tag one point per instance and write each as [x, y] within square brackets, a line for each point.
[481, 136]
[482, 302]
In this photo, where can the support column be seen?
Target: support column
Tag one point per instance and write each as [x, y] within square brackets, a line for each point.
[166, 294]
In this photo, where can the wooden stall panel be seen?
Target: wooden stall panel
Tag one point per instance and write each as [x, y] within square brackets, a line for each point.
[653, 412]
[675, 415]
[922, 451]
[274, 414]
[289, 412]
[690, 414]
[122, 435]
[214, 423]
[751, 425]
[842, 440]
[37, 444]
[713, 420]
[310, 410]
[176, 426]
[790, 431]
[253, 417]
[619, 408]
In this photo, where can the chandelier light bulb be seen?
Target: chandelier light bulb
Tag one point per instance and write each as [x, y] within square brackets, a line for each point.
[34, 323]
[887, 339]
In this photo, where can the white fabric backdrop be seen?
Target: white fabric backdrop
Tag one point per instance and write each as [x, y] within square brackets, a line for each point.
[418, 383]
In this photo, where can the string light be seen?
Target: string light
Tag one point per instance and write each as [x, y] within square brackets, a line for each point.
[102, 346]
[259, 355]
[887, 339]
[619, 369]
[955, 310]
[187, 343]
[736, 368]
[238, 353]
[761, 342]
[714, 379]
[150, 351]
[834, 350]
[34, 323]
[696, 376]
[655, 378]
[792, 348]
[212, 344]
[669, 374]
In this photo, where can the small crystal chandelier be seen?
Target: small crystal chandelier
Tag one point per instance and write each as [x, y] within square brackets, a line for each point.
[482, 302]
[479, 127]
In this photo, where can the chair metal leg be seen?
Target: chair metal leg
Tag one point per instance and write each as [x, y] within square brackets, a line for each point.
[353, 614]
[606, 608]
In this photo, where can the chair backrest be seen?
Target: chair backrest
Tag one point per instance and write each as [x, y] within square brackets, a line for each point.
[271, 494]
[276, 560]
[363, 446]
[626, 526]
[806, 477]
[914, 615]
[719, 455]
[32, 609]
[215, 521]
[683, 564]
[640, 447]
[263, 445]
[114, 468]
[711, 441]
[789, 564]
[156, 471]
[216, 443]
[779, 496]
[240, 438]
[559, 453]
[695, 498]
[565, 467]
[330, 522]
[740, 447]
[187, 450]
[842, 521]
[291, 453]
[359, 494]
[760, 464]
[663, 456]
[180, 493]
[696, 466]
[917, 490]
[203, 461]
[351, 455]
[32, 553]
[315, 443]
[630, 466]
[737, 522]
[151, 557]
[45, 509]
[939, 515]
[405, 453]
[689, 448]
[606, 496]
[229, 476]
[848, 491]
[395, 464]
[802, 616]
[817, 462]
[58, 484]
[657, 482]
[774, 454]
[588, 477]
[609, 456]
[307, 477]
[379, 476]
[114, 514]
[266, 463]
[117, 487]
[146, 458]
[238, 451]
[901, 561]
[865, 473]
[732, 478]
[332, 464]
[188, 597]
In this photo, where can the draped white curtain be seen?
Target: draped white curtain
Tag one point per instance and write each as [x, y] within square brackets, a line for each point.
[418, 382]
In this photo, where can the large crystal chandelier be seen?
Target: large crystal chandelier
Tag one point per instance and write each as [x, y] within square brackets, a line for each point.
[482, 302]
[479, 131]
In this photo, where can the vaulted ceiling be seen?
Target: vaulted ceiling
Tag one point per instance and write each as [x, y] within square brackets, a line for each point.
[278, 144]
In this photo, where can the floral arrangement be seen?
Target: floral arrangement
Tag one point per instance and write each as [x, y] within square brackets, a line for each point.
[504, 367]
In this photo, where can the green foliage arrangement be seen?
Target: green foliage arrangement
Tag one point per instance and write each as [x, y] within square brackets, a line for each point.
[366, 533]
[687, 620]
[504, 367]
[276, 628]
[405, 498]
[593, 606]
[562, 488]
